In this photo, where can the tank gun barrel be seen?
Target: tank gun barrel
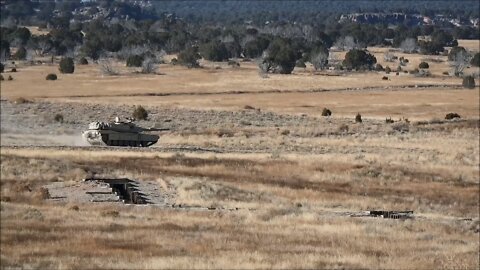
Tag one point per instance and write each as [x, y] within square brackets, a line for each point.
[156, 129]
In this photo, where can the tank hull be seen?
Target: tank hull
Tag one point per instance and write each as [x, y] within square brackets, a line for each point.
[112, 138]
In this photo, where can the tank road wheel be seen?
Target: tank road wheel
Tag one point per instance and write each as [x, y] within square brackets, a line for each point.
[143, 144]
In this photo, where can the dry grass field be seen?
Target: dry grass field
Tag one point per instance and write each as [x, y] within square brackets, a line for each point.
[281, 179]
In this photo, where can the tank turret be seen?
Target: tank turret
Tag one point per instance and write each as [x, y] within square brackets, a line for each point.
[120, 133]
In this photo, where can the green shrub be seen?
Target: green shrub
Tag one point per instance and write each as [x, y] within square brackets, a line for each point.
[51, 77]
[468, 82]
[326, 112]
[214, 51]
[189, 58]
[423, 65]
[67, 65]
[359, 59]
[140, 113]
[134, 61]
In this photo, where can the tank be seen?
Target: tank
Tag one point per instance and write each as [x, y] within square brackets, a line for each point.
[120, 133]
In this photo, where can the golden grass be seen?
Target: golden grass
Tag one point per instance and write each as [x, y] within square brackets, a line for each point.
[295, 223]
[88, 81]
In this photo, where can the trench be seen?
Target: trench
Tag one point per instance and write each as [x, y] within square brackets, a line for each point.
[127, 190]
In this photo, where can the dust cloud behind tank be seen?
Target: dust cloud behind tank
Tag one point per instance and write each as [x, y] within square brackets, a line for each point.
[120, 133]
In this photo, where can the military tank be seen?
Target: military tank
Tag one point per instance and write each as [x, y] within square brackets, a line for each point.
[120, 133]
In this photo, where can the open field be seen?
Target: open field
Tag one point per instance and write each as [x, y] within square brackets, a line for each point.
[279, 179]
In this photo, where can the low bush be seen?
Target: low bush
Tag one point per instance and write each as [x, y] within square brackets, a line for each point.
[379, 67]
[58, 118]
[385, 78]
[13, 70]
[358, 118]
[389, 120]
[343, 128]
[174, 61]
[134, 61]
[224, 133]
[83, 61]
[2, 67]
[300, 63]
[21, 100]
[51, 77]
[67, 65]
[10, 78]
[1, 77]
[423, 65]
[388, 70]
[450, 116]
[326, 112]
[140, 113]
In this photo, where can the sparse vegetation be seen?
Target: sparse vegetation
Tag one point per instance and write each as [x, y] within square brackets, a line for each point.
[9, 78]
[140, 113]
